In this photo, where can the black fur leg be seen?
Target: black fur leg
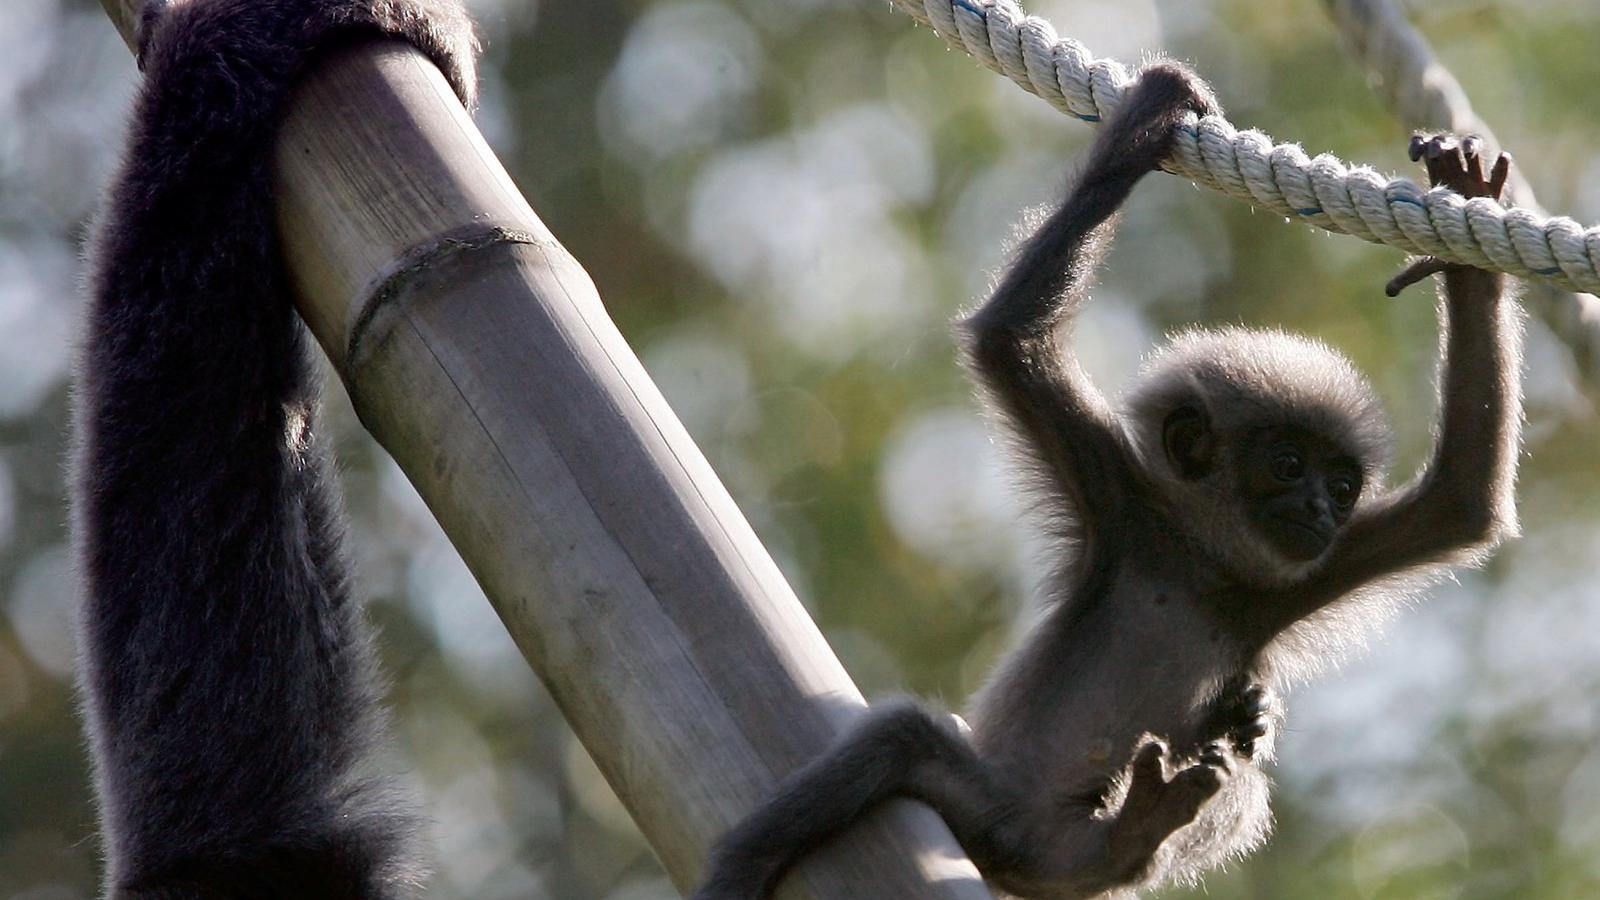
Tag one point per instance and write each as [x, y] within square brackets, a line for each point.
[230, 690]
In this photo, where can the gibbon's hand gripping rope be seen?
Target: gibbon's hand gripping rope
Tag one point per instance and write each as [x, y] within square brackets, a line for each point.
[1422, 93]
[1248, 166]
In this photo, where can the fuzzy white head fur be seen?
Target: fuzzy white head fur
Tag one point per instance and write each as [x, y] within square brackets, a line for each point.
[1244, 379]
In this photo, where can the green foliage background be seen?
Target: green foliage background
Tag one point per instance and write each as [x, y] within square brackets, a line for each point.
[784, 202]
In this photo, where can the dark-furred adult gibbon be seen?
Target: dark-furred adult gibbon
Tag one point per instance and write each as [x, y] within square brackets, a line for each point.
[228, 681]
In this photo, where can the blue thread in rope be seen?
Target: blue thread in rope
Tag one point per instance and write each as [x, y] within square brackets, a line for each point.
[1556, 270]
[976, 10]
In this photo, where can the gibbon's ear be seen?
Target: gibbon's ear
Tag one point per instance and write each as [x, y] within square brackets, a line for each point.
[1189, 443]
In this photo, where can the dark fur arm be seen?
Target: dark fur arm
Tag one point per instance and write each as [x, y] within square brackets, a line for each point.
[1463, 503]
[228, 681]
[1018, 343]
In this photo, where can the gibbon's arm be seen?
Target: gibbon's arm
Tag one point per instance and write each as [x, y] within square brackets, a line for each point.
[1018, 342]
[1463, 503]
[230, 693]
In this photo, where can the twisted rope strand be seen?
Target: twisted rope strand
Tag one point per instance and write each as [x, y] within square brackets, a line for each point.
[1250, 166]
[1423, 94]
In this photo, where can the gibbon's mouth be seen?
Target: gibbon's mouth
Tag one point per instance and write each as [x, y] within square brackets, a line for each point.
[1321, 532]
[1305, 540]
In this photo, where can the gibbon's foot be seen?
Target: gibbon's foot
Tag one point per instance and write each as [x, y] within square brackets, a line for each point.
[1157, 806]
[1457, 165]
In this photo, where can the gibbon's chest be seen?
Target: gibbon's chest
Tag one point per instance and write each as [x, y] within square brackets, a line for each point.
[1143, 658]
[1164, 651]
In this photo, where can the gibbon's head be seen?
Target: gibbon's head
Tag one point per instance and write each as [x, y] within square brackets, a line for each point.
[1266, 440]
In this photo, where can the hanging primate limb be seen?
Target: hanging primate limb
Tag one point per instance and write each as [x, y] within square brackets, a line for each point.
[1235, 496]
[229, 687]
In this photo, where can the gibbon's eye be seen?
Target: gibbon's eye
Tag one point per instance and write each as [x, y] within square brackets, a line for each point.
[1288, 466]
[1343, 492]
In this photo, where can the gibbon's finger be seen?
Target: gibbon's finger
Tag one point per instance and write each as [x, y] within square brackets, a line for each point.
[1456, 158]
[1498, 176]
[1413, 273]
[1147, 765]
[1473, 148]
[1432, 156]
[1445, 162]
[1256, 700]
[1218, 756]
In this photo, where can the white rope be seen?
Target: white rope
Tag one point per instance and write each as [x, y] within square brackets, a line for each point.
[1424, 94]
[1250, 166]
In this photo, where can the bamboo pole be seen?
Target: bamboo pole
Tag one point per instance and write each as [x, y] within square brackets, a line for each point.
[478, 353]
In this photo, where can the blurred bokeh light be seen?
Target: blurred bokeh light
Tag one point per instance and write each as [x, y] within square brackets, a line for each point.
[785, 204]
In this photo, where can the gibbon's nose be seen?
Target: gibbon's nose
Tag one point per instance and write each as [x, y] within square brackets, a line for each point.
[1318, 506]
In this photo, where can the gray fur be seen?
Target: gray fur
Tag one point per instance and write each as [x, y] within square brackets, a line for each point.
[1248, 377]
[1120, 745]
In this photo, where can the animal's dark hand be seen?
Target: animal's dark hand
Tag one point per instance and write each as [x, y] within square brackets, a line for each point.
[1243, 718]
[1456, 164]
[1139, 135]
